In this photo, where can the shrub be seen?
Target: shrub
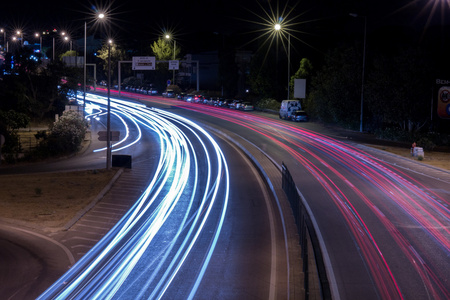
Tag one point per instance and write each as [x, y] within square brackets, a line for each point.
[67, 133]
[268, 103]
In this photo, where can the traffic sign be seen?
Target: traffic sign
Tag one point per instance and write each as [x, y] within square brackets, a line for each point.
[174, 64]
[103, 136]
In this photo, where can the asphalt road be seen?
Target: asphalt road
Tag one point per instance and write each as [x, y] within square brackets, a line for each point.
[382, 221]
[250, 260]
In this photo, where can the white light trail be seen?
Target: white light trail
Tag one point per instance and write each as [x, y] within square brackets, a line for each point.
[178, 205]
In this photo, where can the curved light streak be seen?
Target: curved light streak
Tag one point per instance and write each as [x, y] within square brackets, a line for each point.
[425, 208]
[114, 265]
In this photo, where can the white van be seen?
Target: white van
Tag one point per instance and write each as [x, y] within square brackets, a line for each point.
[288, 107]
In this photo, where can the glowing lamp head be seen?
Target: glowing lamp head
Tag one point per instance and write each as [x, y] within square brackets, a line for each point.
[277, 27]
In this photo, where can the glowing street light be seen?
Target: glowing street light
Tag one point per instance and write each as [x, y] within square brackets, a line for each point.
[37, 35]
[102, 17]
[2, 30]
[168, 37]
[277, 27]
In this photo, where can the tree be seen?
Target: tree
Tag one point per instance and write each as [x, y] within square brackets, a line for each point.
[304, 72]
[335, 91]
[262, 79]
[10, 122]
[31, 88]
[117, 54]
[398, 89]
[163, 50]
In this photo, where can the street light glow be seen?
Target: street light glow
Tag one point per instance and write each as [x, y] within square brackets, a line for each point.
[101, 15]
[277, 26]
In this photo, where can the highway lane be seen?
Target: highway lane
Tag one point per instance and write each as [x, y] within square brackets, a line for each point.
[182, 237]
[385, 229]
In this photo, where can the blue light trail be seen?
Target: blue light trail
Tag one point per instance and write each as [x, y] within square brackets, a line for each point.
[152, 244]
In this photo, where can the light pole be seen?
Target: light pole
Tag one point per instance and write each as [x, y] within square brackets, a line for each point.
[363, 71]
[168, 37]
[20, 36]
[37, 35]
[278, 29]
[84, 68]
[108, 125]
[4, 39]
[102, 16]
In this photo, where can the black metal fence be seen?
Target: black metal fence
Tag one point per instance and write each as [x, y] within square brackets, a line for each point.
[307, 235]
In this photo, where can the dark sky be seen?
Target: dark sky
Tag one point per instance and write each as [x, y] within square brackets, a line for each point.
[192, 20]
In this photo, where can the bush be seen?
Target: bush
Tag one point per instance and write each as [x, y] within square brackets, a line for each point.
[426, 143]
[268, 103]
[67, 133]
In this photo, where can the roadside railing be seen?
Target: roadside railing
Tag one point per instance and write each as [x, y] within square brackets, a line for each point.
[309, 243]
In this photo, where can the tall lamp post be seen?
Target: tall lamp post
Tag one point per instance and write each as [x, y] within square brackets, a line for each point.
[363, 71]
[37, 35]
[102, 16]
[168, 37]
[4, 39]
[278, 28]
[84, 68]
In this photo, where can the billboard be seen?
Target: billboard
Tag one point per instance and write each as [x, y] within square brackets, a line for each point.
[143, 63]
[300, 88]
[443, 101]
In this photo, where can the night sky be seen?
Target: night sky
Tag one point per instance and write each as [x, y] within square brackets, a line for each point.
[194, 21]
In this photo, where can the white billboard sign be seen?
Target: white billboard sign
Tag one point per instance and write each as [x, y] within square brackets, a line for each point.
[174, 64]
[143, 63]
[300, 88]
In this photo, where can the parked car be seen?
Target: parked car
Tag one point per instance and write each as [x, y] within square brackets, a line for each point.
[234, 104]
[168, 94]
[223, 102]
[299, 116]
[198, 99]
[246, 106]
[189, 98]
[181, 96]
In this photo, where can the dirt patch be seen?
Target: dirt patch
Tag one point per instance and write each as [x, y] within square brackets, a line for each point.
[50, 199]
[432, 158]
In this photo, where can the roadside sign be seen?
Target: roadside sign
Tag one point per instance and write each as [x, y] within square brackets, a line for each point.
[102, 136]
[143, 63]
[174, 64]
[443, 108]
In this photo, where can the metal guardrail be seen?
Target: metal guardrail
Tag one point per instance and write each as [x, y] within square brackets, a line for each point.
[307, 234]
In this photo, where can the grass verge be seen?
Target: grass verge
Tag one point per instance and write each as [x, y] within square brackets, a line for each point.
[50, 199]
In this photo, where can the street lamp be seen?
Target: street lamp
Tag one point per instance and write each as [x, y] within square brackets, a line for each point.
[168, 37]
[67, 39]
[37, 35]
[102, 16]
[363, 70]
[279, 29]
[20, 37]
[4, 38]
